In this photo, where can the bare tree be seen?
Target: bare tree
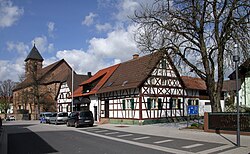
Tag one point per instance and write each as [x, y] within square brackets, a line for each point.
[6, 88]
[199, 33]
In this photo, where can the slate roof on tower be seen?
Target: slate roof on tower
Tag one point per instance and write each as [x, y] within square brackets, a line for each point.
[34, 55]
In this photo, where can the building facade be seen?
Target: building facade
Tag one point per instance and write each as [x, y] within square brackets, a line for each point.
[39, 89]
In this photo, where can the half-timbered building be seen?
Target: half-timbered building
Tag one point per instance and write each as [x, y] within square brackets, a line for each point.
[85, 95]
[64, 101]
[143, 90]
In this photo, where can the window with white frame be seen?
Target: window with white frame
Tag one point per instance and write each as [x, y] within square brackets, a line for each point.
[193, 101]
[128, 104]
[175, 103]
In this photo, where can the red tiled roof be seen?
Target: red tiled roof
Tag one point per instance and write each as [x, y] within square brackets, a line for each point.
[102, 75]
[194, 83]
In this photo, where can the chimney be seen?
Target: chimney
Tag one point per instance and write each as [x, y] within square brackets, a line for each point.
[89, 74]
[135, 56]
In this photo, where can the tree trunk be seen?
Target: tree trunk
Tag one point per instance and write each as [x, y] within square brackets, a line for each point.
[215, 101]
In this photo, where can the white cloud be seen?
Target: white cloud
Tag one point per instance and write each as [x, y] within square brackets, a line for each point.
[119, 44]
[89, 19]
[9, 13]
[81, 61]
[42, 44]
[103, 27]
[19, 47]
[10, 70]
[51, 28]
[126, 8]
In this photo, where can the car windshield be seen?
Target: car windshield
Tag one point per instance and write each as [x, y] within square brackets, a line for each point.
[85, 114]
[62, 114]
[54, 115]
[48, 115]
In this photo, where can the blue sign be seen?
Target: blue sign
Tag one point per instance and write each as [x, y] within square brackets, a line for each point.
[193, 109]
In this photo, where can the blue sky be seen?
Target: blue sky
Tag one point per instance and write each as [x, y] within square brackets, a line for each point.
[88, 34]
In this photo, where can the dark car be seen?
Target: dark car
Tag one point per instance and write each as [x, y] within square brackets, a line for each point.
[59, 118]
[80, 118]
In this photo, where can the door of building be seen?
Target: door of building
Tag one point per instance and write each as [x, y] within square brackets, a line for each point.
[106, 109]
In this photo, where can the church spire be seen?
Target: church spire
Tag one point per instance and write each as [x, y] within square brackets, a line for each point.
[34, 55]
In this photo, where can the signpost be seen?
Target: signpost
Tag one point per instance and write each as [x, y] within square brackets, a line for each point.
[192, 110]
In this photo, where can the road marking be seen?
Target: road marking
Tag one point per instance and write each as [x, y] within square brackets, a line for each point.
[155, 147]
[163, 141]
[93, 129]
[215, 149]
[141, 138]
[101, 131]
[124, 135]
[111, 133]
[192, 146]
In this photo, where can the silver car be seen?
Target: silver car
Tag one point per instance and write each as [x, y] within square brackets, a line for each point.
[59, 118]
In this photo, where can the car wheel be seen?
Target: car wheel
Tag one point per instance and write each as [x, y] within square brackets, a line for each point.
[91, 125]
[76, 125]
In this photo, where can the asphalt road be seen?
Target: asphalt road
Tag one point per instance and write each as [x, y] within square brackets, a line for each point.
[34, 138]
[22, 140]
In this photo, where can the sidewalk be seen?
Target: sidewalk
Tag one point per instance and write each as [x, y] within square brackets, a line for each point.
[167, 130]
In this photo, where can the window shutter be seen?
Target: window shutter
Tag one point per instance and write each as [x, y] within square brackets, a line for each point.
[132, 103]
[171, 103]
[159, 103]
[149, 103]
[123, 104]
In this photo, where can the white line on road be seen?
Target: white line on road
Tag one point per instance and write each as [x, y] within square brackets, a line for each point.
[215, 149]
[155, 147]
[192, 146]
[124, 135]
[111, 133]
[163, 141]
[101, 131]
[141, 138]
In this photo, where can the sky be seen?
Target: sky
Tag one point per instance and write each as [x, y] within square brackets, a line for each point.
[88, 34]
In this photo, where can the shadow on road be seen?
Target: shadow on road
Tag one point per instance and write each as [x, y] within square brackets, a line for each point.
[25, 141]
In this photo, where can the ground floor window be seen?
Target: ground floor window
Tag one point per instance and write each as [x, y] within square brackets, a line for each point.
[193, 102]
[128, 104]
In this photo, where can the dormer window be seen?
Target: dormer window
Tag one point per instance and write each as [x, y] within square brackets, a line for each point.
[86, 88]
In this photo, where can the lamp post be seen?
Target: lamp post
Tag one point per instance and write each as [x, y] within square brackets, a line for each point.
[72, 89]
[236, 59]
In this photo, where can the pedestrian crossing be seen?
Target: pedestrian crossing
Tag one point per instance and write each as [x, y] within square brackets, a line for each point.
[165, 142]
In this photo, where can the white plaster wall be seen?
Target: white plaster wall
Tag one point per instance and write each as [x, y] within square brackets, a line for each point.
[244, 93]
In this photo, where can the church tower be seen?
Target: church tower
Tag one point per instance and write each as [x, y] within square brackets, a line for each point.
[33, 62]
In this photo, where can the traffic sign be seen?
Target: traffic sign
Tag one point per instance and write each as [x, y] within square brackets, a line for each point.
[193, 109]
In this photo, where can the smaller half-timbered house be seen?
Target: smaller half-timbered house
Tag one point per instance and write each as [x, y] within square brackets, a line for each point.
[85, 95]
[64, 102]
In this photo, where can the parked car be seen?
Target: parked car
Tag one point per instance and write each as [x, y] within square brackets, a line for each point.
[11, 118]
[44, 117]
[59, 118]
[80, 118]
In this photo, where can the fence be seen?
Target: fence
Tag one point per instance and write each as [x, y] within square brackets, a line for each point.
[226, 122]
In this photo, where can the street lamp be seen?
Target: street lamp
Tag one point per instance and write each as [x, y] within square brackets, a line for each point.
[72, 90]
[236, 59]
